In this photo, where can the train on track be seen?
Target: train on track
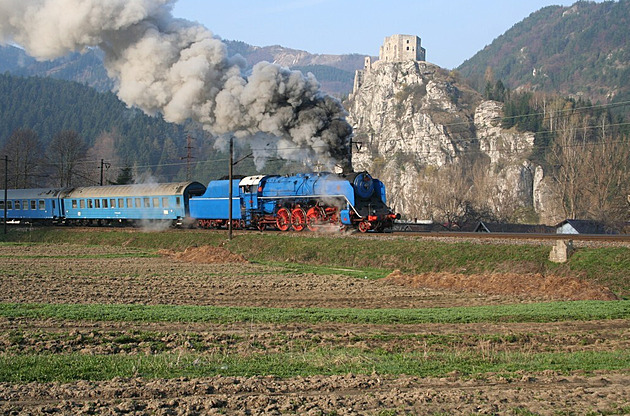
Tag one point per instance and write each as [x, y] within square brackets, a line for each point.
[312, 201]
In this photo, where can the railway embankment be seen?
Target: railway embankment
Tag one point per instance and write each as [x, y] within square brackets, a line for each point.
[603, 264]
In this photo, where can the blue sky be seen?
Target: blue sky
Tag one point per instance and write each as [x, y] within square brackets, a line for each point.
[451, 31]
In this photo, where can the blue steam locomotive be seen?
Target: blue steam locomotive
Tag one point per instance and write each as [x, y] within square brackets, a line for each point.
[313, 201]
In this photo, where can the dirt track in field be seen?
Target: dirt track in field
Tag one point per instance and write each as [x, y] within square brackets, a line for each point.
[72, 274]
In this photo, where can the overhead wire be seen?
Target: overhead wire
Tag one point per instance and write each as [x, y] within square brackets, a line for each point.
[561, 112]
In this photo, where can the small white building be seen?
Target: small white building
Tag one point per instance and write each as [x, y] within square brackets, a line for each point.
[582, 227]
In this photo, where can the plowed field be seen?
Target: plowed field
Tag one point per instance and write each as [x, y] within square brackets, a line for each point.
[222, 363]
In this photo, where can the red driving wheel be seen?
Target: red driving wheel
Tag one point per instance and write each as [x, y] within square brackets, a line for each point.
[298, 219]
[283, 219]
[314, 218]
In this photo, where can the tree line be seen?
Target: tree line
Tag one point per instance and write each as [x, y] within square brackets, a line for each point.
[64, 162]
[45, 111]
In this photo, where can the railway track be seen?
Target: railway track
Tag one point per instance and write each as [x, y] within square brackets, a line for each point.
[622, 239]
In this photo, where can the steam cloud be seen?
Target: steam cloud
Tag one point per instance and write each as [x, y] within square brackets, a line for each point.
[178, 68]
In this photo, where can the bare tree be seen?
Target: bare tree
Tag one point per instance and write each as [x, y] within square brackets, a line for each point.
[25, 155]
[446, 193]
[606, 166]
[104, 148]
[64, 153]
[566, 158]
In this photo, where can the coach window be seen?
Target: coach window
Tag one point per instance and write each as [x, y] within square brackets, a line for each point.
[2, 205]
[33, 205]
[74, 204]
[129, 203]
[17, 204]
[104, 203]
[121, 202]
[156, 202]
[90, 203]
[178, 202]
[112, 203]
[138, 203]
[147, 202]
[82, 203]
[9, 204]
[97, 203]
[42, 205]
[25, 204]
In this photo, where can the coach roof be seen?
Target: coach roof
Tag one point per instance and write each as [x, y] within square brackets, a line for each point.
[153, 189]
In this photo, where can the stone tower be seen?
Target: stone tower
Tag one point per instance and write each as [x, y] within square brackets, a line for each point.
[396, 48]
[399, 48]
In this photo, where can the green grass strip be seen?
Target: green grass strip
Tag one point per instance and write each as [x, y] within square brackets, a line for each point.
[536, 312]
[72, 367]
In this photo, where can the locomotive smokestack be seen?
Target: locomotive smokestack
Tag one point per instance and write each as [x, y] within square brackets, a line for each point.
[180, 69]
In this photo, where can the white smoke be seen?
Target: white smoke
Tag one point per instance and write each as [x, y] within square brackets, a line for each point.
[180, 69]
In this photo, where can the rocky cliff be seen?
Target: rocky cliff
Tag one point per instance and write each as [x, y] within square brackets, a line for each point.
[439, 147]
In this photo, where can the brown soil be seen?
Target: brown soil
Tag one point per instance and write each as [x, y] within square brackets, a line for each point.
[525, 285]
[545, 394]
[204, 254]
[213, 276]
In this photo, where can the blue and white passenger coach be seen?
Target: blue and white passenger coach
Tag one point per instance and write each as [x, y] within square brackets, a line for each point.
[32, 205]
[119, 203]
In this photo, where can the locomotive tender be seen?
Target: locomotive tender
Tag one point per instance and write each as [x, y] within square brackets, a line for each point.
[294, 202]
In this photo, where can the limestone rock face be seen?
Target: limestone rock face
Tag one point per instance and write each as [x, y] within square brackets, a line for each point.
[412, 119]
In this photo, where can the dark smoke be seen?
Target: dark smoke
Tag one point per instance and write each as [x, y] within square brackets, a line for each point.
[178, 68]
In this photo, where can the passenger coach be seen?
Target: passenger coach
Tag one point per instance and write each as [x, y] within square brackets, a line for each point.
[120, 203]
[32, 205]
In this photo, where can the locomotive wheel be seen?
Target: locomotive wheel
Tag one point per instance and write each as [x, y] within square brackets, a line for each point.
[298, 219]
[314, 218]
[283, 219]
[364, 226]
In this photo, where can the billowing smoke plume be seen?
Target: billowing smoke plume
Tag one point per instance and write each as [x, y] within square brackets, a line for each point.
[178, 68]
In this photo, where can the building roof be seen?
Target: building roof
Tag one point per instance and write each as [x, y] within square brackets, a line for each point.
[496, 227]
[584, 227]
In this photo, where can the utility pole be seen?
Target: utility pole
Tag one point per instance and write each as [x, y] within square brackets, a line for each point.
[230, 188]
[6, 184]
[106, 166]
[189, 157]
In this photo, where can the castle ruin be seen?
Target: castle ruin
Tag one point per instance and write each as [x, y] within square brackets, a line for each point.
[395, 48]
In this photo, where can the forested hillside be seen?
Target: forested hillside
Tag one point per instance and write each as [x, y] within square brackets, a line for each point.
[85, 68]
[39, 115]
[48, 107]
[581, 51]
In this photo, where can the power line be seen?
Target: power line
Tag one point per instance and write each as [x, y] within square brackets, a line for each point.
[561, 112]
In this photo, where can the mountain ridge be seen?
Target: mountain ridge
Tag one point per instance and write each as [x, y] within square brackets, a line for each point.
[579, 51]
